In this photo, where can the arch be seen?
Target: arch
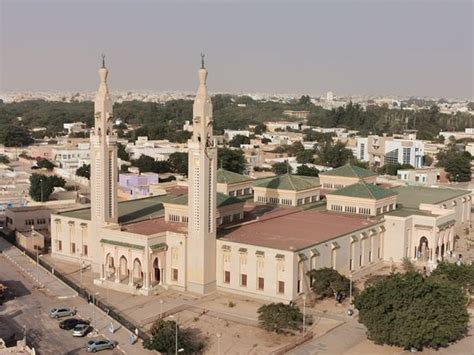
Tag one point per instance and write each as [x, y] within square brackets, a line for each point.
[423, 249]
[123, 267]
[157, 270]
[137, 269]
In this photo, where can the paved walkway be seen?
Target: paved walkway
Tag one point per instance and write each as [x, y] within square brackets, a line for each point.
[69, 297]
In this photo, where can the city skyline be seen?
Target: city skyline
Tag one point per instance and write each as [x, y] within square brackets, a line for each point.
[348, 47]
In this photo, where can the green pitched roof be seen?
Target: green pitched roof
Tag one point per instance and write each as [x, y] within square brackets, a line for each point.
[122, 244]
[406, 212]
[229, 177]
[289, 182]
[364, 190]
[412, 196]
[349, 170]
[128, 211]
[222, 200]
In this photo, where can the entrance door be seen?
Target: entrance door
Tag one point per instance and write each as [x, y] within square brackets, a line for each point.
[156, 269]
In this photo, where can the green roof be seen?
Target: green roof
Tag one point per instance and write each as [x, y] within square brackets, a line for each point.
[229, 177]
[122, 244]
[412, 196]
[222, 200]
[289, 182]
[129, 211]
[159, 246]
[349, 170]
[364, 190]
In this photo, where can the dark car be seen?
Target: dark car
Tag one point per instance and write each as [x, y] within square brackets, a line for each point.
[70, 323]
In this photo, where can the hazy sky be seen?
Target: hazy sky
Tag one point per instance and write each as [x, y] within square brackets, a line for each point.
[352, 47]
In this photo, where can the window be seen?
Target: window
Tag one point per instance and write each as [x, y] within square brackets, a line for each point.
[281, 286]
[406, 155]
[60, 245]
[86, 251]
[350, 209]
[73, 248]
[336, 208]
[261, 283]
[174, 218]
[391, 157]
[243, 280]
[227, 277]
[174, 274]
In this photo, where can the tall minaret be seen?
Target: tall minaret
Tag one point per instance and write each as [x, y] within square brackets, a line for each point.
[201, 263]
[103, 157]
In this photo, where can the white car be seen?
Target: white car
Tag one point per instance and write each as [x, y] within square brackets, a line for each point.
[81, 330]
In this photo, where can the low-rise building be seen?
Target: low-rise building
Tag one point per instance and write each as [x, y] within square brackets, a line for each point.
[136, 185]
[233, 184]
[425, 176]
[344, 176]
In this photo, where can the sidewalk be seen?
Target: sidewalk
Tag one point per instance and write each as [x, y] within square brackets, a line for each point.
[42, 278]
[69, 297]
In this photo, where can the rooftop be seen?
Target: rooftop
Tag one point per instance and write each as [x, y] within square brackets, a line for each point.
[289, 182]
[412, 196]
[229, 177]
[154, 226]
[364, 190]
[128, 211]
[406, 212]
[30, 209]
[349, 170]
[296, 231]
[222, 200]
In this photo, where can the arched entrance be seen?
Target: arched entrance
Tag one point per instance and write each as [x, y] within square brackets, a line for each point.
[109, 266]
[423, 250]
[156, 270]
[137, 271]
[123, 268]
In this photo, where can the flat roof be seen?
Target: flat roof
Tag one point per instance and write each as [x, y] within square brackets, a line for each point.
[406, 212]
[296, 231]
[154, 226]
[412, 196]
[129, 211]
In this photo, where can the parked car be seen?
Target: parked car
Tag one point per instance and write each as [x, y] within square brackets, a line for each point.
[61, 312]
[81, 330]
[70, 323]
[97, 345]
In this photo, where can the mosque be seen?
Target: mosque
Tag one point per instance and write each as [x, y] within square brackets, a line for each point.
[207, 238]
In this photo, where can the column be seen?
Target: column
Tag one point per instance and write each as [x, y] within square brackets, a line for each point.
[102, 267]
[130, 277]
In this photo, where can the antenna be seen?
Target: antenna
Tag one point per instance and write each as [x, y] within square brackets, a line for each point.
[202, 60]
[103, 60]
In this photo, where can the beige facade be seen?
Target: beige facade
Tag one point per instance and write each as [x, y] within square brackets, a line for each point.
[32, 240]
[26, 218]
[286, 197]
[244, 188]
[357, 205]
[331, 182]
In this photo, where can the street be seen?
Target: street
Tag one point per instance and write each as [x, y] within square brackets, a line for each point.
[28, 312]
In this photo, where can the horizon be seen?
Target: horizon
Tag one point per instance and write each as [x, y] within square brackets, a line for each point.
[352, 48]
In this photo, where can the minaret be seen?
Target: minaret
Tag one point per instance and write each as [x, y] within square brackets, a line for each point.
[103, 157]
[201, 263]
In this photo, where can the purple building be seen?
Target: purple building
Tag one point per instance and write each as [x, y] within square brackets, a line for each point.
[136, 185]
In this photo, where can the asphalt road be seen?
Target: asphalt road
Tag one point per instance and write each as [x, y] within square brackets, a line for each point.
[29, 310]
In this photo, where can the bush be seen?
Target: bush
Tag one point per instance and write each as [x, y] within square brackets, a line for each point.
[408, 310]
[163, 339]
[279, 317]
[326, 282]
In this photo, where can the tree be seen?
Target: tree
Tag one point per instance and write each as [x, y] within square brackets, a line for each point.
[459, 168]
[4, 159]
[147, 164]
[305, 100]
[84, 171]
[179, 162]
[278, 317]
[15, 136]
[163, 339]
[122, 153]
[305, 170]
[326, 282]
[392, 169]
[427, 160]
[461, 275]
[305, 156]
[42, 186]
[408, 310]
[260, 128]
[238, 140]
[282, 168]
[45, 164]
[231, 159]
[333, 155]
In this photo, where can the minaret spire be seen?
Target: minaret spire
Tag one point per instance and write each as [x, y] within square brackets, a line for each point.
[103, 61]
[202, 61]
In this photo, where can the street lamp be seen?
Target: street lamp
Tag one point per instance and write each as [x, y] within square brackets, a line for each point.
[176, 350]
[41, 188]
[161, 308]
[219, 343]
[350, 288]
[93, 309]
[304, 313]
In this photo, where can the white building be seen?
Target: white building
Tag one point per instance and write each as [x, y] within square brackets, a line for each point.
[72, 157]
